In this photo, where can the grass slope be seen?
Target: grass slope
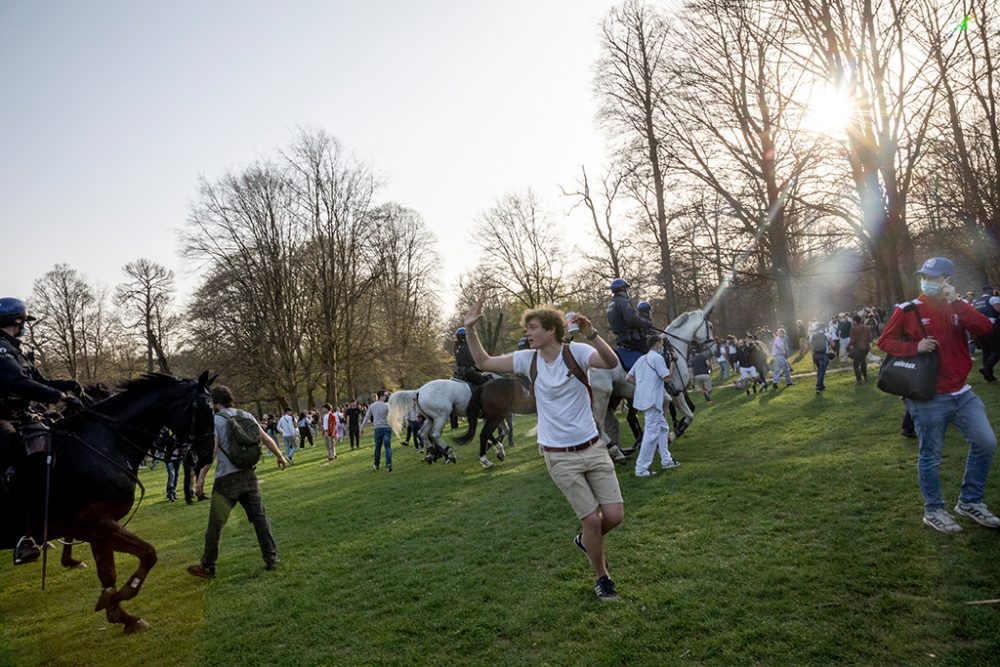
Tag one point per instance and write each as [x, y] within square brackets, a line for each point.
[790, 535]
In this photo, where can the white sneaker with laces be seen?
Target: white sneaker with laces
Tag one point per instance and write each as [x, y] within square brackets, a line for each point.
[645, 473]
[979, 513]
[671, 464]
[942, 522]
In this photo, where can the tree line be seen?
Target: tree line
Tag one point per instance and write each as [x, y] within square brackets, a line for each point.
[727, 175]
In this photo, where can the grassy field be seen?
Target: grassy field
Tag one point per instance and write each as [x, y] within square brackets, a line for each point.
[790, 535]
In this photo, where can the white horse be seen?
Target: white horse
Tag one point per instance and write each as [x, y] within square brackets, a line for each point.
[688, 328]
[436, 401]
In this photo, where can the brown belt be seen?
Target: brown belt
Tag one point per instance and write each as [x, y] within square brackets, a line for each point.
[575, 448]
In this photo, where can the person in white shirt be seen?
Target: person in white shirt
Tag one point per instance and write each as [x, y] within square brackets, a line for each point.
[566, 428]
[649, 374]
[286, 427]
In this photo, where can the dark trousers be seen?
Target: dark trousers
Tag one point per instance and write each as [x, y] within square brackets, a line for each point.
[991, 353]
[305, 434]
[821, 361]
[860, 359]
[413, 426]
[238, 487]
[188, 480]
[173, 468]
[352, 432]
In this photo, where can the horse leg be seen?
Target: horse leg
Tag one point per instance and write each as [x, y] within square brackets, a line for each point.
[68, 560]
[116, 538]
[633, 423]
[110, 601]
[498, 440]
[484, 444]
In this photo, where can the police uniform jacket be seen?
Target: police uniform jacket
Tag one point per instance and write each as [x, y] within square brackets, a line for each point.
[463, 357]
[625, 322]
[20, 381]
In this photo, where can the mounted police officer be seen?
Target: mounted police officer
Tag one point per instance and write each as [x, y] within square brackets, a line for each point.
[988, 306]
[20, 385]
[629, 328]
[465, 366]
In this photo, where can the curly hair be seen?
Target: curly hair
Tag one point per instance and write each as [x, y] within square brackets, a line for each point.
[549, 318]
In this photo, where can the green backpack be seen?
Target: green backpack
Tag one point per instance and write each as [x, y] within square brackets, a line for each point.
[242, 445]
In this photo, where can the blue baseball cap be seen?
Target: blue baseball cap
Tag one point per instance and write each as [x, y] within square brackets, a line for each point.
[937, 266]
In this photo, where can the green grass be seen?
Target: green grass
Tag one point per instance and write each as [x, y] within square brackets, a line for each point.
[790, 535]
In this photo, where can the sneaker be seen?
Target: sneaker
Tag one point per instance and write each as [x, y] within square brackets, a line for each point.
[908, 434]
[979, 513]
[605, 589]
[941, 521]
[374, 467]
[671, 464]
[645, 473]
[26, 551]
[200, 571]
[578, 541]
[388, 468]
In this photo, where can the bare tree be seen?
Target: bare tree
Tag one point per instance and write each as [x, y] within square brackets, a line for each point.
[522, 251]
[868, 49]
[145, 296]
[61, 300]
[631, 80]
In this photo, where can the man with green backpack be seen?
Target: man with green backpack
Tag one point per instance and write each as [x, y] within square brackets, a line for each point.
[238, 438]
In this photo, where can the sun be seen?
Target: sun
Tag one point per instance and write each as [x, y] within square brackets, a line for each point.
[829, 111]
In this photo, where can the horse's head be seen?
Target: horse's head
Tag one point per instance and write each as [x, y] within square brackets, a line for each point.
[704, 333]
[190, 417]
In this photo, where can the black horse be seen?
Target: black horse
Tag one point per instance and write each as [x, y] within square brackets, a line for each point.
[96, 455]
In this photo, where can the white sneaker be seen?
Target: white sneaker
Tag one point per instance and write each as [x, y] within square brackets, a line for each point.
[979, 513]
[645, 473]
[941, 521]
[671, 464]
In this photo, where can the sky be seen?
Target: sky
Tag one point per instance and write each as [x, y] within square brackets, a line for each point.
[113, 110]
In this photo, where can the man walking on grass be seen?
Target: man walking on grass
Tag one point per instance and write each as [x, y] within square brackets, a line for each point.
[567, 433]
[235, 485]
[649, 374]
[378, 412]
[938, 320]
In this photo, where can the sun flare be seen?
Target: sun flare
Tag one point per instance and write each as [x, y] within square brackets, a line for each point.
[829, 111]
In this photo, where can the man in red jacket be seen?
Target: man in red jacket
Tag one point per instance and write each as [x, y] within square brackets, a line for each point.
[945, 319]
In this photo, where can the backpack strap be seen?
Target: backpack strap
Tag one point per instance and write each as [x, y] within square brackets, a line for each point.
[575, 369]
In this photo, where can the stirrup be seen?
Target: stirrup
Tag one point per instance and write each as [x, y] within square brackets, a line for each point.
[26, 551]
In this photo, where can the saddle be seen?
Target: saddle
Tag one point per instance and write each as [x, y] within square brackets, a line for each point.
[36, 437]
[627, 357]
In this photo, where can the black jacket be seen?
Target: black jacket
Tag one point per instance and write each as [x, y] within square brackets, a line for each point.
[625, 323]
[463, 357]
[20, 381]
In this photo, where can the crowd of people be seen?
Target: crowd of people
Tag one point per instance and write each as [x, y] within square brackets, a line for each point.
[937, 323]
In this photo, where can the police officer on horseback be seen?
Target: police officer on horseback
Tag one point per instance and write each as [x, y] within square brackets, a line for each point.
[629, 328]
[21, 384]
[465, 366]
[988, 305]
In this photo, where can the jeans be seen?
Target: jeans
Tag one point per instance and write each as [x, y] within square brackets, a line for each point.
[723, 370]
[931, 418]
[289, 446]
[383, 436]
[414, 427]
[821, 361]
[239, 487]
[172, 469]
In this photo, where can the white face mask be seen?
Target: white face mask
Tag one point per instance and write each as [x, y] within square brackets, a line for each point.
[930, 288]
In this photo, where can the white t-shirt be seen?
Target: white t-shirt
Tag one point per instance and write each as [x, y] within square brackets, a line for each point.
[565, 417]
[649, 373]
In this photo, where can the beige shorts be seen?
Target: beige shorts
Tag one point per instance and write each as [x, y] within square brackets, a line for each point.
[703, 382]
[587, 478]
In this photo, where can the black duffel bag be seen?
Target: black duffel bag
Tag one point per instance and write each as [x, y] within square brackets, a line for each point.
[910, 377]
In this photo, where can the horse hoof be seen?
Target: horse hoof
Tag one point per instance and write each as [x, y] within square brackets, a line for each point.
[501, 455]
[77, 565]
[106, 599]
[138, 625]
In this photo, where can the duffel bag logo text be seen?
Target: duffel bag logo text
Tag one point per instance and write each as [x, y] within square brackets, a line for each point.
[906, 364]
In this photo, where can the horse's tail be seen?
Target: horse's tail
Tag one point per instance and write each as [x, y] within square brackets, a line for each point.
[472, 410]
[400, 404]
